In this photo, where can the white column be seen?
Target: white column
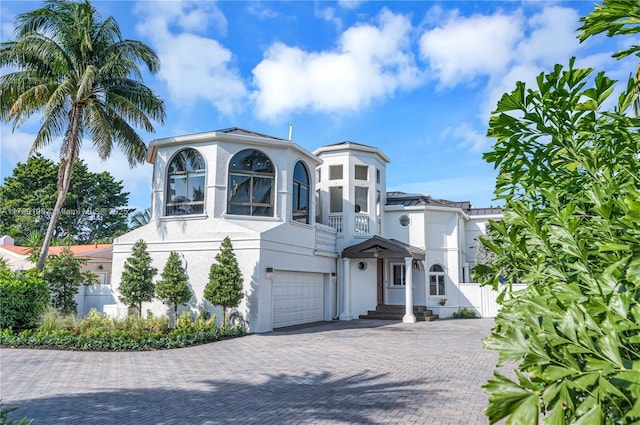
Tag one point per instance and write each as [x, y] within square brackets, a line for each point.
[408, 291]
[346, 291]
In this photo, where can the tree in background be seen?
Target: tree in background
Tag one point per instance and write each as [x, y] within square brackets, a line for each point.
[76, 70]
[136, 283]
[65, 276]
[569, 176]
[224, 287]
[173, 287]
[141, 218]
[94, 210]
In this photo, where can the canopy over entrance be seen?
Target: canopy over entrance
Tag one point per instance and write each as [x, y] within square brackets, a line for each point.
[379, 247]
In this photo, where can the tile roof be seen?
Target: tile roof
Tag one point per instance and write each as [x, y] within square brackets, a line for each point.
[416, 199]
[243, 132]
[101, 251]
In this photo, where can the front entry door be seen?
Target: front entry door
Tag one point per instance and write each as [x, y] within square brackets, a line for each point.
[380, 267]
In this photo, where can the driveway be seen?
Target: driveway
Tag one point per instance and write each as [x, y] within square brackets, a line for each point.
[358, 372]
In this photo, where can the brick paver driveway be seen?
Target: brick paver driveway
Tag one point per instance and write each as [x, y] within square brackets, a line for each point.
[360, 372]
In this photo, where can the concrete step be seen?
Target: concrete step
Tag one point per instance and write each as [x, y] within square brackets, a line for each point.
[396, 312]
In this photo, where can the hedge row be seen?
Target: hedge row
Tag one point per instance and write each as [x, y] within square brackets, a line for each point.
[117, 340]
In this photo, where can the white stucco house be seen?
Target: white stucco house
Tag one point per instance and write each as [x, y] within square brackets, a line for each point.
[316, 234]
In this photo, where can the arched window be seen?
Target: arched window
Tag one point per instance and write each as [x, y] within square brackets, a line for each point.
[436, 280]
[186, 183]
[251, 184]
[300, 204]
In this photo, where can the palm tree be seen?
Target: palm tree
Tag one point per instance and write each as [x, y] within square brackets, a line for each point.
[84, 78]
[141, 218]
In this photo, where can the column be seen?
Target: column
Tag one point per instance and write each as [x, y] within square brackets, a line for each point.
[346, 291]
[408, 290]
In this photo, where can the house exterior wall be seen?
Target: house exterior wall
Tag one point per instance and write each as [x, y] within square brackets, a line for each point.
[281, 245]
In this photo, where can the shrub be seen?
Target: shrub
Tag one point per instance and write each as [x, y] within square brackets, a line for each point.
[96, 332]
[22, 300]
[465, 313]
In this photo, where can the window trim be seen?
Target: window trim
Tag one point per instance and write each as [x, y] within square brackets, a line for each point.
[403, 273]
[186, 173]
[438, 274]
[251, 175]
[296, 202]
[360, 167]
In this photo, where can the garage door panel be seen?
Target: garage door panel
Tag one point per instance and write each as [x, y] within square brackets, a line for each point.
[298, 298]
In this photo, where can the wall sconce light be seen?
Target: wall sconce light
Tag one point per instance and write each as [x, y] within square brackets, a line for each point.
[334, 277]
[269, 272]
[100, 267]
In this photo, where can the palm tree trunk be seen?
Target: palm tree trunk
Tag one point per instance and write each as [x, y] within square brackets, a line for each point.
[224, 316]
[64, 180]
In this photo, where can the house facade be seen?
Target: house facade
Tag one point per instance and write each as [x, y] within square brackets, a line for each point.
[316, 234]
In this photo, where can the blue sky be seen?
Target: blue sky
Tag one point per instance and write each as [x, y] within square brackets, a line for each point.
[417, 79]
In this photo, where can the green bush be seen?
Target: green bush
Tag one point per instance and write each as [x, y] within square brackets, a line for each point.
[98, 333]
[22, 300]
[465, 313]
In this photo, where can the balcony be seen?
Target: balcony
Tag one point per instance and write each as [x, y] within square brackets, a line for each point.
[325, 238]
[361, 224]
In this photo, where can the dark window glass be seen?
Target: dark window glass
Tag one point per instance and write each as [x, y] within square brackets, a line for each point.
[251, 184]
[186, 184]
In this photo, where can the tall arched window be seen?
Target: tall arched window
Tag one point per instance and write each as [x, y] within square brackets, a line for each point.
[251, 184]
[186, 183]
[300, 204]
[436, 280]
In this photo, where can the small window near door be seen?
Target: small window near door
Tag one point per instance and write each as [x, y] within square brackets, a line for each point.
[398, 274]
[436, 280]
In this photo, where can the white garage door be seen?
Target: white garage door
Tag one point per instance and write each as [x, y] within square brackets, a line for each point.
[297, 298]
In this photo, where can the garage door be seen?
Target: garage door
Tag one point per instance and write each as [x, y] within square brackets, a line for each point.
[298, 298]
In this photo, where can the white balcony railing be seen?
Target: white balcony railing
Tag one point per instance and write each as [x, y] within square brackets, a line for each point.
[325, 238]
[335, 221]
[361, 225]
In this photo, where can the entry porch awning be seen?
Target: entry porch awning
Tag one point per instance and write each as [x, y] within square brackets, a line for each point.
[379, 247]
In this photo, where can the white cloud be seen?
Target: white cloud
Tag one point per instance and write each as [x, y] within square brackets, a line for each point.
[350, 4]
[195, 68]
[370, 63]
[552, 37]
[469, 138]
[465, 47]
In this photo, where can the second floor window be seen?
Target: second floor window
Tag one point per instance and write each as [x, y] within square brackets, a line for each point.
[250, 189]
[186, 183]
[300, 207]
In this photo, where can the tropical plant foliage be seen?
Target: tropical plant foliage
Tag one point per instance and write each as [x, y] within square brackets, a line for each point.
[23, 300]
[64, 274]
[136, 283]
[224, 287]
[173, 287]
[569, 177]
[98, 333]
[95, 208]
[76, 70]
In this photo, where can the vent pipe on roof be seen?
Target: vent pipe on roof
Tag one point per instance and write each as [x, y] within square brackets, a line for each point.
[290, 131]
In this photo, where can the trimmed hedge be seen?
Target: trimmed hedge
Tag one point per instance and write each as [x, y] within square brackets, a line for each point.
[119, 340]
[23, 300]
[98, 333]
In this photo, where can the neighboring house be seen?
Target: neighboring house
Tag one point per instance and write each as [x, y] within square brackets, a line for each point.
[316, 235]
[98, 258]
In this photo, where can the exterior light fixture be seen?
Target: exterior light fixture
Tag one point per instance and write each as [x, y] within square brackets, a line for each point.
[269, 272]
[334, 277]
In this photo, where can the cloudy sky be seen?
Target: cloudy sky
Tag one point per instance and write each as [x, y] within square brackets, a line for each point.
[417, 79]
